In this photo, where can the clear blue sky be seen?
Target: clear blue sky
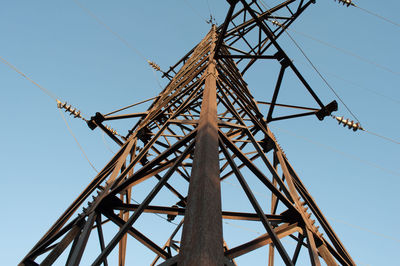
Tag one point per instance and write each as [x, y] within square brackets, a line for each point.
[354, 177]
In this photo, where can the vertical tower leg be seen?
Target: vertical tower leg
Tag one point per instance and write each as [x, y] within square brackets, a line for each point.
[202, 242]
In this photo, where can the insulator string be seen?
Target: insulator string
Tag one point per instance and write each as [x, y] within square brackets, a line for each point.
[346, 2]
[348, 123]
[69, 109]
[357, 126]
[72, 111]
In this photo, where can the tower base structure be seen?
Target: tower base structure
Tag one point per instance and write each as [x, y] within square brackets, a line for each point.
[205, 128]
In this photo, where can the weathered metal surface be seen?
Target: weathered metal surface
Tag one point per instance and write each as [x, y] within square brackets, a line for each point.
[202, 242]
[203, 128]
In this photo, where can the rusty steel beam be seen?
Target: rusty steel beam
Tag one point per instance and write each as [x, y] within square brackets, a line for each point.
[281, 231]
[181, 211]
[202, 242]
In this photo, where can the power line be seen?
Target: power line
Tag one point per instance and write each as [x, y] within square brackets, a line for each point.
[127, 44]
[381, 136]
[77, 142]
[119, 37]
[46, 91]
[366, 230]
[365, 88]
[366, 60]
[327, 147]
[378, 16]
[337, 220]
[195, 11]
[105, 143]
[313, 66]
[322, 77]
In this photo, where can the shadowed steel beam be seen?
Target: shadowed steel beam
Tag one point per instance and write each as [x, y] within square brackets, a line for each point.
[83, 238]
[56, 252]
[281, 231]
[126, 227]
[257, 208]
[277, 46]
[181, 211]
[202, 242]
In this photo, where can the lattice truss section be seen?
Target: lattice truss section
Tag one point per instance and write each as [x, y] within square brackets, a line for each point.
[154, 165]
[251, 30]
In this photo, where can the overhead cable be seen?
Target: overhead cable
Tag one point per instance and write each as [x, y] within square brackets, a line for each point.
[195, 11]
[47, 92]
[338, 151]
[378, 16]
[77, 142]
[313, 66]
[366, 60]
[119, 37]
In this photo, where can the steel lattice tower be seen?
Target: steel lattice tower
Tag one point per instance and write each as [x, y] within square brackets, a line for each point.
[203, 128]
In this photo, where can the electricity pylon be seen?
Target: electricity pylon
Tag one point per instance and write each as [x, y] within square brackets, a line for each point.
[203, 128]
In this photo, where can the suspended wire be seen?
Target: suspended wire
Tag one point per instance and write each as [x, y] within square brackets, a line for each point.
[344, 51]
[380, 136]
[327, 147]
[378, 16]
[47, 92]
[365, 88]
[119, 37]
[209, 8]
[337, 220]
[212, 18]
[326, 82]
[105, 143]
[361, 58]
[195, 11]
[77, 142]
[323, 78]
[87, 11]
[366, 230]
[313, 66]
